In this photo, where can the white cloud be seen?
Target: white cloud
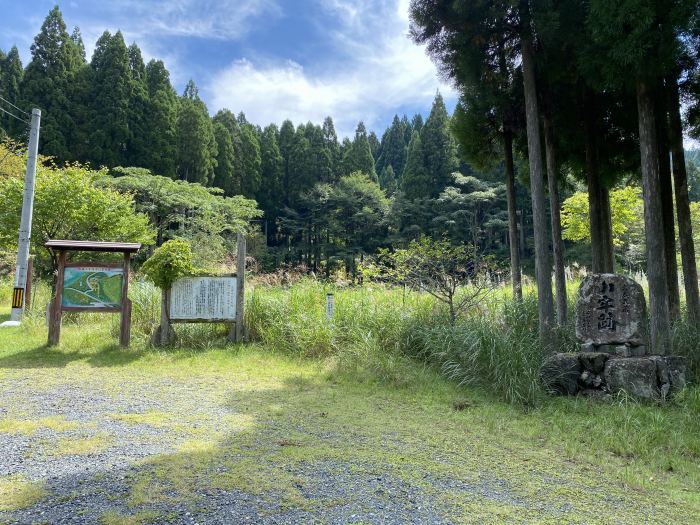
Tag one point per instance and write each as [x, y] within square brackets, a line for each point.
[218, 19]
[377, 70]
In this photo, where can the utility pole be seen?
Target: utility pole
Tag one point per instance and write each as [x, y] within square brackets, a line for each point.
[25, 227]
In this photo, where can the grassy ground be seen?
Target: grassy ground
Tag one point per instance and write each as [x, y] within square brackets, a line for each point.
[323, 438]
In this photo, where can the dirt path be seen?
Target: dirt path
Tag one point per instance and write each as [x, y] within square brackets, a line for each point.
[93, 438]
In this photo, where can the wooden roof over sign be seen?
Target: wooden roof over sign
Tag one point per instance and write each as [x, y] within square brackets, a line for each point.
[93, 246]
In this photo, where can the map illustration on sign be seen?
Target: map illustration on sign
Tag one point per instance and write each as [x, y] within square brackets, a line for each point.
[203, 299]
[92, 287]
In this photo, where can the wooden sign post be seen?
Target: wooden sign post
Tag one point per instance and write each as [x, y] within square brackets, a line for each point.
[91, 286]
[205, 299]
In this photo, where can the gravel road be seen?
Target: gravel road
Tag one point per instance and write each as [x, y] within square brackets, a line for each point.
[82, 444]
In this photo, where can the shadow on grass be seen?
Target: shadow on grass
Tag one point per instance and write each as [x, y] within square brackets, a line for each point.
[45, 356]
[308, 451]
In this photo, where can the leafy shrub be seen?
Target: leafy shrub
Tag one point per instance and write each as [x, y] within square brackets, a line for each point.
[168, 263]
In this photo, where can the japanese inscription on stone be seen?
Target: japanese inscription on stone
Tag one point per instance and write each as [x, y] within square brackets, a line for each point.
[203, 298]
[606, 307]
[610, 309]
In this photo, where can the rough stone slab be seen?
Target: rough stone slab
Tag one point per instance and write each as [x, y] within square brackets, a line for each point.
[560, 373]
[671, 371]
[607, 349]
[594, 362]
[630, 351]
[635, 375]
[610, 310]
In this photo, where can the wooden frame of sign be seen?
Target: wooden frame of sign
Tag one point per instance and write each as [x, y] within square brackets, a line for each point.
[93, 303]
[219, 312]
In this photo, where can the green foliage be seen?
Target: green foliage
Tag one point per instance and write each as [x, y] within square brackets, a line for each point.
[359, 156]
[393, 147]
[11, 73]
[196, 157]
[250, 161]
[109, 101]
[387, 180]
[224, 176]
[161, 121]
[627, 214]
[439, 148]
[168, 263]
[186, 210]
[71, 203]
[415, 182]
[47, 80]
[455, 275]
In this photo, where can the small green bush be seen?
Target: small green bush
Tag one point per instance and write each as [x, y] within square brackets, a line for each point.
[168, 263]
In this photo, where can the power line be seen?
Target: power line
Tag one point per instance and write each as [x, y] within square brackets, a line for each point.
[11, 104]
[15, 116]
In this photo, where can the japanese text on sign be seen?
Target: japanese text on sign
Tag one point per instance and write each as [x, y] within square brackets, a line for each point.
[203, 298]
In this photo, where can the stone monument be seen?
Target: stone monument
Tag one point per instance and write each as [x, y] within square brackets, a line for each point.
[611, 330]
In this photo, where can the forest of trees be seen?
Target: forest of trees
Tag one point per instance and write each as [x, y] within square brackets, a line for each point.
[595, 90]
[326, 201]
[588, 89]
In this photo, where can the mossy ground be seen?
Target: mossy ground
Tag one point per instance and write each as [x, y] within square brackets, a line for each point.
[299, 435]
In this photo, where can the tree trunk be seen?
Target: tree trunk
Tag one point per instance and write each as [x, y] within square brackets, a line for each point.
[674, 301]
[557, 243]
[680, 183]
[602, 254]
[606, 221]
[653, 223]
[522, 233]
[539, 218]
[512, 218]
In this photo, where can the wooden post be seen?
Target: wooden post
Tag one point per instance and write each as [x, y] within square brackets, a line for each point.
[240, 287]
[28, 285]
[164, 317]
[55, 312]
[125, 328]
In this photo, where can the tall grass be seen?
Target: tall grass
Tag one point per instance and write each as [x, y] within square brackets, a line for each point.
[376, 329]
[378, 333]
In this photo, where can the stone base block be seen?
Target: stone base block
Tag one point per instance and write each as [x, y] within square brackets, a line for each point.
[646, 377]
[560, 373]
[594, 362]
[634, 375]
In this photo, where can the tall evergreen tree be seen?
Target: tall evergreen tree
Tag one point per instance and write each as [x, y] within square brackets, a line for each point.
[270, 195]
[387, 180]
[77, 38]
[111, 92]
[196, 144]
[47, 80]
[374, 146]
[394, 147]
[330, 141]
[359, 156]
[161, 121]
[11, 73]
[286, 144]
[250, 160]
[224, 174]
[137, 144]
[641, 44]
[439, 148]
[416, 182]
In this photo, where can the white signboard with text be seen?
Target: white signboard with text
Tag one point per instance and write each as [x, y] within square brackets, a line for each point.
[203, 299]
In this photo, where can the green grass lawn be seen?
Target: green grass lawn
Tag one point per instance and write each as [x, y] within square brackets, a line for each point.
[282, 420]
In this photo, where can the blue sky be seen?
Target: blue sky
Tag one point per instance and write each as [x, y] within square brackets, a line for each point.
[272, 59]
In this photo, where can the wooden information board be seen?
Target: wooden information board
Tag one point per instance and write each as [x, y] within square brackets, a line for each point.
[91, 286]
[201, 299]
[210, 299]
